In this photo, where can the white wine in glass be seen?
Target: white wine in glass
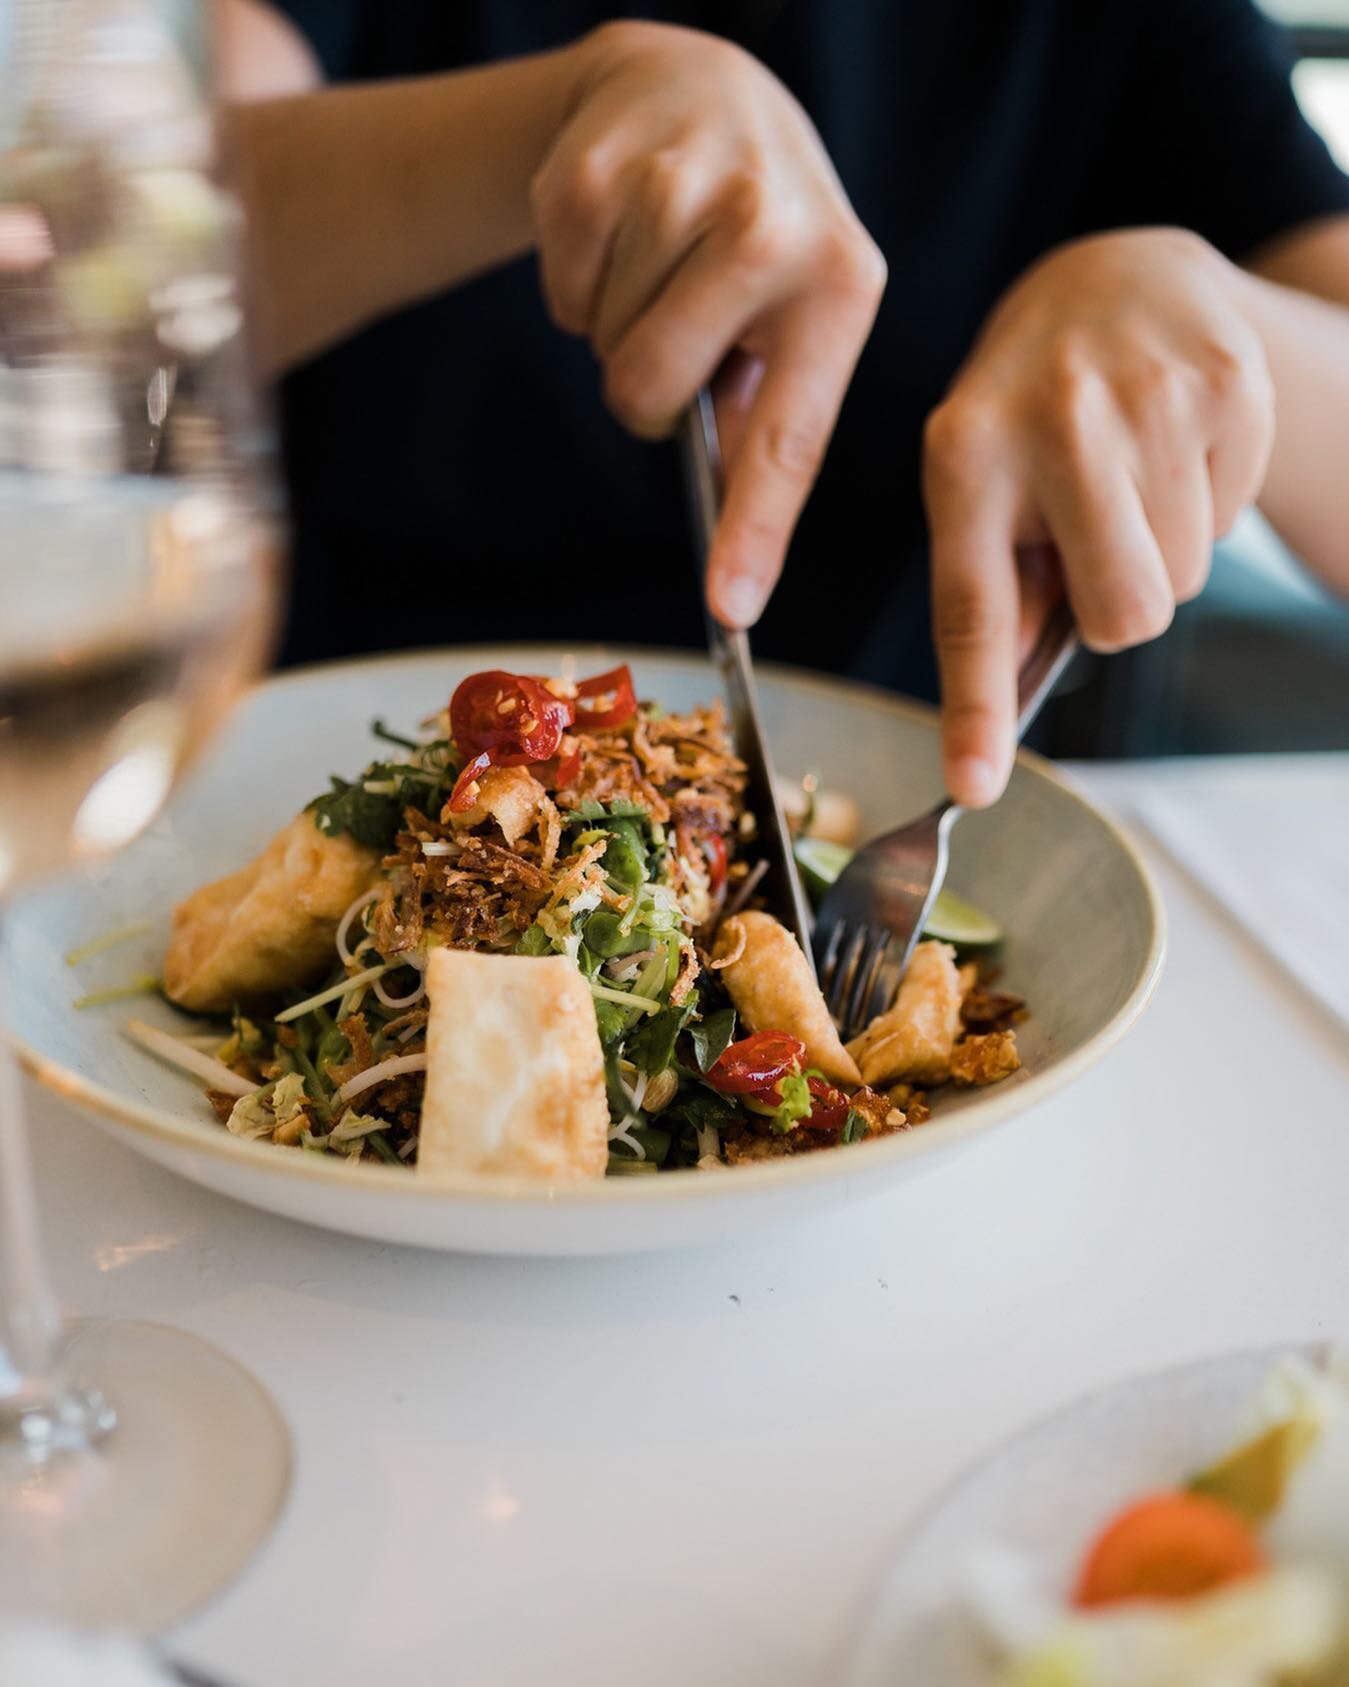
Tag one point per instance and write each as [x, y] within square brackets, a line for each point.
[139, 1466]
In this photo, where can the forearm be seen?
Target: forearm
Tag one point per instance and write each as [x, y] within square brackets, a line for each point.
[362, 199]
[1306, 342]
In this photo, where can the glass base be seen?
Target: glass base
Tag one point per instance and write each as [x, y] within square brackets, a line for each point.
[184, 1481]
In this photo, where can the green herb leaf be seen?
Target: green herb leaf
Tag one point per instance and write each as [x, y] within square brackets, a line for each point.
[655, 1139]
[712, 1036]
[855, 1126]
[652, 1044]
[369, 818]
[378, 728]
[619, 810]
[699, 1107]
[612, 1022]
[534, 941]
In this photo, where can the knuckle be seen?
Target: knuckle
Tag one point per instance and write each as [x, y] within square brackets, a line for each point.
[633, 385]
[963, 619]
[1127, 619]
[1070, 394]
[849, 262]
[760, 235]
[959, 436]
[796, 448]
[667, 186]
[1189, 575]
[579, 196]
[1157, 390]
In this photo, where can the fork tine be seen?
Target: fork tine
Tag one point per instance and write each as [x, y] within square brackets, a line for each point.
[885, 982]
[827, 953]
[852, 942]
[871, 955]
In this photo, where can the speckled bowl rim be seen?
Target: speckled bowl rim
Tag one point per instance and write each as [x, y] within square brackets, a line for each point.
[993, 1107]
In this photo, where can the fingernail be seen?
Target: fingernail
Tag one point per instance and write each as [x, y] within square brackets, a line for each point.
[740, 599]
[975, 781]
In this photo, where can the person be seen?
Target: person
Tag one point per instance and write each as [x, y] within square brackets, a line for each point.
[1117, 258]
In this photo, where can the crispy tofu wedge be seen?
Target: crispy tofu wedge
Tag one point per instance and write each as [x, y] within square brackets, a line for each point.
[770, 982]
[270, 925]
[514, 1068]
[915, 1038]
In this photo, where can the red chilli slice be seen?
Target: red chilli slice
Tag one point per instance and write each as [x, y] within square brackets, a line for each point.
[756, 1063]
[510, 716]
[606, 701]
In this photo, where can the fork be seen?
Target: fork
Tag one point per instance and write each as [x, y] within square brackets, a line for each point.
[874, 912]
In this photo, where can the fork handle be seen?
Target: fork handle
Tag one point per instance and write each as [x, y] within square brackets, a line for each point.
[1054, 649]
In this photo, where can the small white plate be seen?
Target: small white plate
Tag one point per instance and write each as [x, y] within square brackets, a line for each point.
[1084, 945]
[1043, 1494]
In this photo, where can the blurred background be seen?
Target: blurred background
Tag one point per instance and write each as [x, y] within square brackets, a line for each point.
[1261, 660]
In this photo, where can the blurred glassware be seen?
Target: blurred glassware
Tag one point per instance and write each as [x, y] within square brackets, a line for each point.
[139, 1467]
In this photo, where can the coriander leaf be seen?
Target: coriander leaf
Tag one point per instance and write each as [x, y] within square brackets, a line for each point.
[711, 1037]
[612, 1022]
[700, 1107]
[534, 940]
[652, 1044]
[369, 818]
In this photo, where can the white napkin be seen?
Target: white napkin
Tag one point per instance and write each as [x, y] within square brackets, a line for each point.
[1268, 837]
[33, 1655]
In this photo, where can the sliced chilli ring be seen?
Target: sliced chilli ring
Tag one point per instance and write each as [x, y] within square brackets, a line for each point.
[606, 701]
[756, 1063]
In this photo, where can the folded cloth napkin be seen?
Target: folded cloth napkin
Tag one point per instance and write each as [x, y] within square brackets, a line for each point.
[1268, 837]
[42, 1655]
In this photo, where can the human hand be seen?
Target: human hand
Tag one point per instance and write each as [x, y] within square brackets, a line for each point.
[686, 212]
[1117, 407]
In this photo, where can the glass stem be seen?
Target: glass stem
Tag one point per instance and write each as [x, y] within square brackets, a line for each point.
[29, 1318]
[38, 1405]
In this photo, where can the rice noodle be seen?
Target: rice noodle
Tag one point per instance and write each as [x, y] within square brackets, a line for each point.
[400, 1004]
[212, 1072]
[347, 985]
[438, 846]
[344, 925]
[625, 967]
[394, 1068]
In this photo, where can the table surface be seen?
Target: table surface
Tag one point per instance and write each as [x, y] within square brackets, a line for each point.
[691, 1467]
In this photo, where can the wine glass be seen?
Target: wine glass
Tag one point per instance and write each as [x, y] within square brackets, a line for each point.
[139, 1466]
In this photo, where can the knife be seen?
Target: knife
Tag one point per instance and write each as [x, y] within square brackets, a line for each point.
[730, 651]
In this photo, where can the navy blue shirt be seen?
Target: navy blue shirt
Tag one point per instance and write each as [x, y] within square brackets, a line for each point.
[459, 451]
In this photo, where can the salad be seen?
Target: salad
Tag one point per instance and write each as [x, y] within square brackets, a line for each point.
[529, 941]
[1238, 1576]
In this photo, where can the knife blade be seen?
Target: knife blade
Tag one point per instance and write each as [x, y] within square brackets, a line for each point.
[730, 651]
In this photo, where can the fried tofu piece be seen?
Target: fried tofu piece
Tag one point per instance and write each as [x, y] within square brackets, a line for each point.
[985, 1060]
[773, 989]
[915, 1038]
[269, 926]
[514, 1069]
[511, 796]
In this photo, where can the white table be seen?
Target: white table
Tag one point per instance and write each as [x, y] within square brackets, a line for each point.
[688, 1468]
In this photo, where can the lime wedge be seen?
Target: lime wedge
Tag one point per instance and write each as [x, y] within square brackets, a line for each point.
[820, 862]
[952, 919]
